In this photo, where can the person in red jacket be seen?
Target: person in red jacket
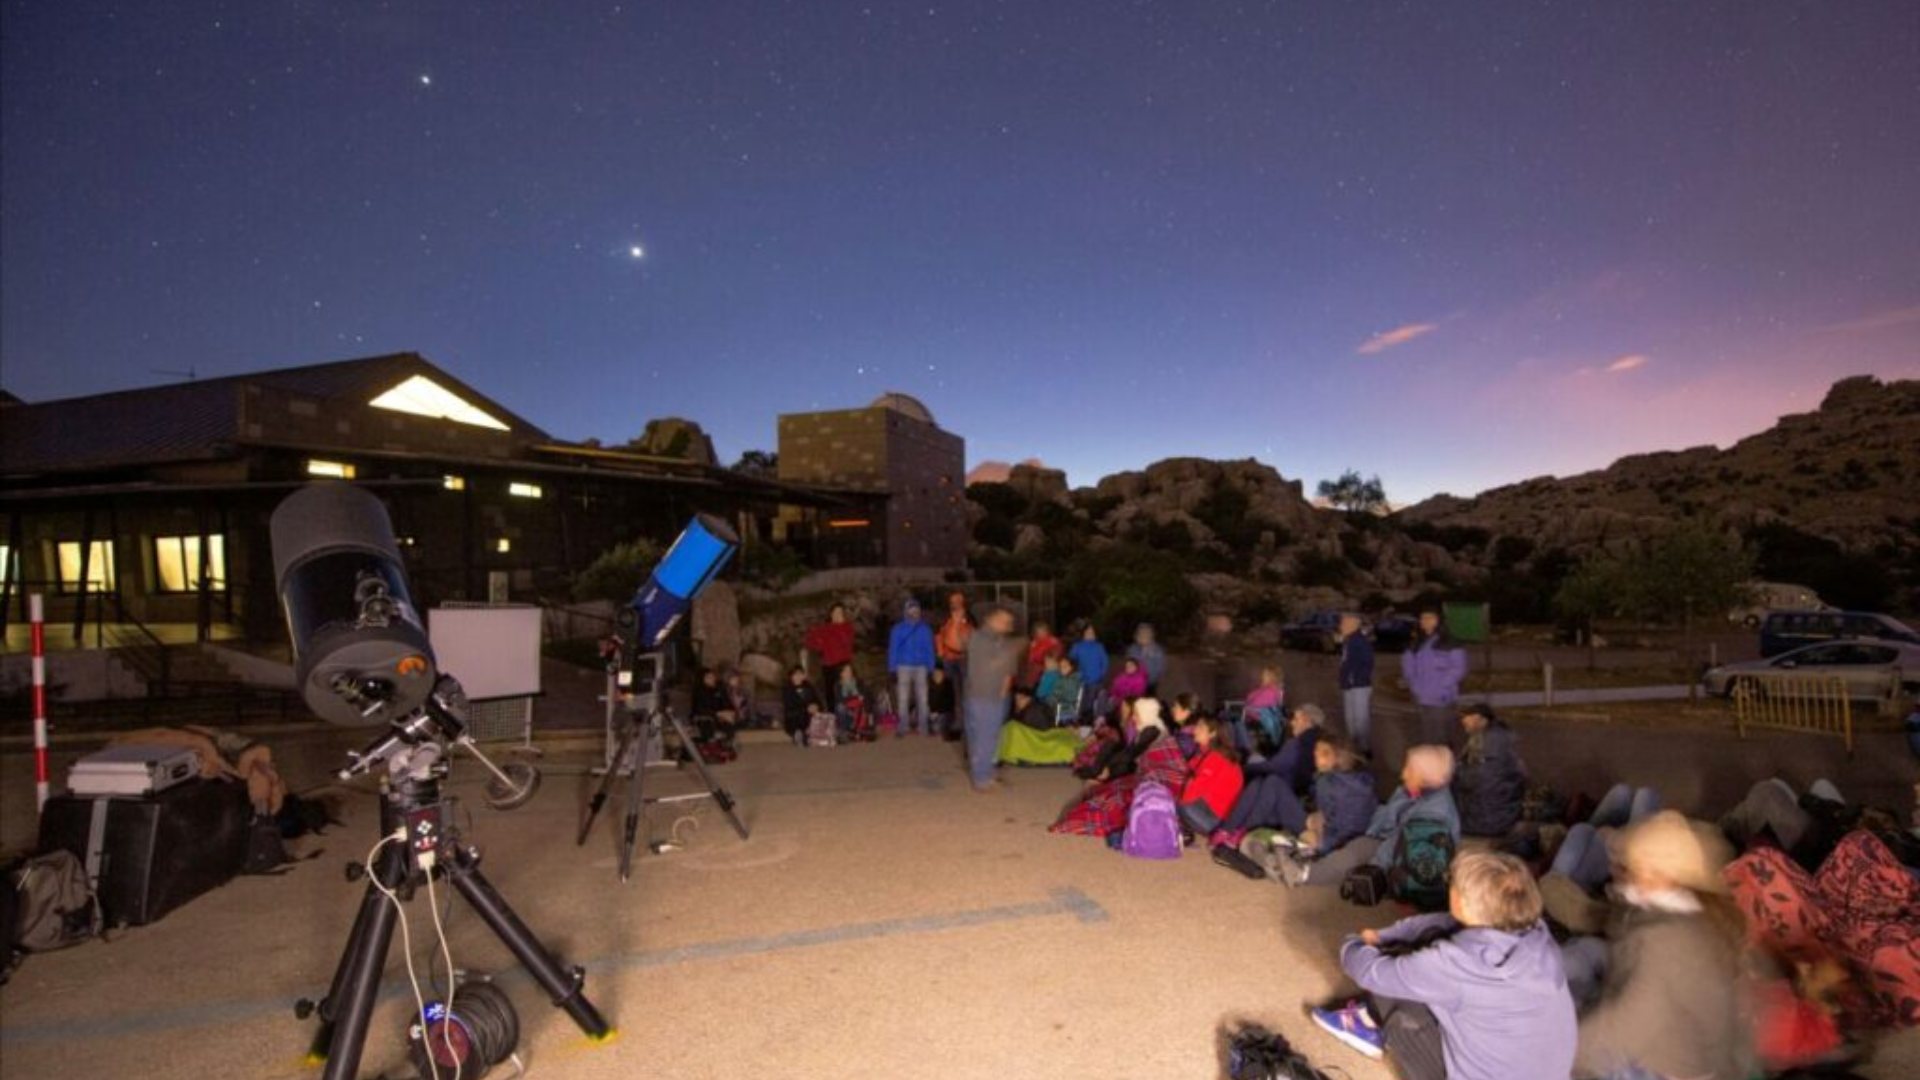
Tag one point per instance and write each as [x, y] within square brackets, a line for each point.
[1044, 647]
[1215, 781]
[832, 641]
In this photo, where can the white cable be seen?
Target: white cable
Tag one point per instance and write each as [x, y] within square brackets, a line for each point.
[440, 931]
[406, 938]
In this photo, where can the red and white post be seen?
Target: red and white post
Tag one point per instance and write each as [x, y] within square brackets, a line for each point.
[36, 610]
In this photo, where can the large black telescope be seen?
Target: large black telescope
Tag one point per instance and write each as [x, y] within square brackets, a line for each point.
[360, 651]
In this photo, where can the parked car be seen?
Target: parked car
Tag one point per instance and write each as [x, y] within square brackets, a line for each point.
[1319, 631]
[1785, 630]
[1394, 633]
[1766, 597]
[1869, 667]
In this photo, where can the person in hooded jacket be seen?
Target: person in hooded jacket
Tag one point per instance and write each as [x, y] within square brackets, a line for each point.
[1489, 779]
[1090, 656]
[1276, 787]
[1477, 993]
[910, 656]
[1434, 667]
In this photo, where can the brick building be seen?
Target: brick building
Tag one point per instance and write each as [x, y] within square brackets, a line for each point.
[892, 449]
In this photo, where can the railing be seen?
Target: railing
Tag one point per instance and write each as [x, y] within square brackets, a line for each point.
[1813, 703]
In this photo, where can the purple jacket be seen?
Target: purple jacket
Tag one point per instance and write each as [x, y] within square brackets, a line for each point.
[1501, 998]
[1433, 672]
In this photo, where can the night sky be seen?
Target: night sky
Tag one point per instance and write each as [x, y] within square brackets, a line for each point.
[1455, 244]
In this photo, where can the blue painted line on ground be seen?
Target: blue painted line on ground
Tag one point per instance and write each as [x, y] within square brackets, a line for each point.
[1062, 901]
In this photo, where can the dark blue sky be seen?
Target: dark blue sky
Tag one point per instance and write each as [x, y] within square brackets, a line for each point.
[1455, 244]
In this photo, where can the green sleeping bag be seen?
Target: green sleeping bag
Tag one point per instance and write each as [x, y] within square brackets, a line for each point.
[1022, 745]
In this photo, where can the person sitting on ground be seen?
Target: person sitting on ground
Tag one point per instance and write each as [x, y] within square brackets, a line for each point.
[1149, 654]
[1584, 862]
[1063, 697]
[1215, 784]
[1422, 795]
[1265, 704]
[1030, 710]
[1277, 786]
[800, 703]
[1490, 781]
[849, 701]
[739, 700]
[1343, 799]
[940, 704]
[1181, 714]
[1042, 648]
[1090, 657]
[1475, 993]
[1153, 755]
[1049, 675]
[1665, 990]
[1806, 827]
[713, 715]
[1131, 683]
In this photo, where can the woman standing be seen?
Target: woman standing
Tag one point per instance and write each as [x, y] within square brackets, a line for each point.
[1434, 667]
[832, 642]
[951, 642]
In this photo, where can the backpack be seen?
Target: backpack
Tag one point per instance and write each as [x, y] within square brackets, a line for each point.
[821, 730]
[1153, 823]
[56, 906]
[1418, 875]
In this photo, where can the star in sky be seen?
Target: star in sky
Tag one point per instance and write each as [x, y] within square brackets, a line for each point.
[636, 252]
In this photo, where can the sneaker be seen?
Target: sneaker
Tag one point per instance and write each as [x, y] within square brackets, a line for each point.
[1353, 1025]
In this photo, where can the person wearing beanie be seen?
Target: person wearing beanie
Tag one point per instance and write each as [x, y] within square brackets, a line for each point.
[910, 655]
[1667, 996]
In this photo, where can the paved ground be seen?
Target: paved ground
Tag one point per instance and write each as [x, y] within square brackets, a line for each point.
[882, 921]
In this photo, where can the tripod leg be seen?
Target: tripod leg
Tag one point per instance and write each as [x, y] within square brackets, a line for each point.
[636, 805]
[328, 1007]
[352, 1005]
[621, 749]
[563, 985]
[719, 793]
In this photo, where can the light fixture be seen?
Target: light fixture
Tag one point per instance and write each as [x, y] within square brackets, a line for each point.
[339, 470]
[524, 491]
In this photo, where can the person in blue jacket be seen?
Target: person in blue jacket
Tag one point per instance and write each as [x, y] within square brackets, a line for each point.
[1356, 682]
[909, 658]
[1090, 657]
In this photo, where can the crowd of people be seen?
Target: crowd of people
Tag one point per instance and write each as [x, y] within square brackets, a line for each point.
[1554, 935]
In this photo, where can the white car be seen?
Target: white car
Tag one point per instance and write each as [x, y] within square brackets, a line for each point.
[1868, 667]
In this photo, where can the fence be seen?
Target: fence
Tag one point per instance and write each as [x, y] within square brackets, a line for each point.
[1815, 703]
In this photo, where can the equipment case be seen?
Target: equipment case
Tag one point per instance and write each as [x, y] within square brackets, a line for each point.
[146, 856]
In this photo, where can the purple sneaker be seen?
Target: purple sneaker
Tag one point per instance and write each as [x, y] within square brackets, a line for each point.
[1352, 1024]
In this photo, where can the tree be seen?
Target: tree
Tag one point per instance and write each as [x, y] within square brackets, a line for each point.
[1353, 494]
[762, 463]
[617, 573]
[1692, 571]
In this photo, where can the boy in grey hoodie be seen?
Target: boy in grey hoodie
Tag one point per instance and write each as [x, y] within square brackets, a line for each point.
[1474, 994]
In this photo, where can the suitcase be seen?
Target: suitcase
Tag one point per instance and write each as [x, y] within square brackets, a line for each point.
[132, 770]
[156, 852]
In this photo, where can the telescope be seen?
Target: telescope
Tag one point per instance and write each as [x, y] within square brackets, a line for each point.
[690, 565]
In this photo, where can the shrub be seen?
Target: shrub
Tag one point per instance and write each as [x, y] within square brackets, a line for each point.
[617, 573]
[1129, 584]
[775, 566]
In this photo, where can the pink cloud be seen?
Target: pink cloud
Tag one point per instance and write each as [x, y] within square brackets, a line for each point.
[1628, 363]
[1879, 320]
[1399, 335]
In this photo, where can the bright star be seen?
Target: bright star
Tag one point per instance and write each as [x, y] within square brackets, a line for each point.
[426, 80]
[636, 252]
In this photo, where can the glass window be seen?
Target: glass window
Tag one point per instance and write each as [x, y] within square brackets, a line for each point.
[339, 470]
[523, 491]
[99, 566]
[453, 483]
[421, 396]
[6, 564]
[177, 560]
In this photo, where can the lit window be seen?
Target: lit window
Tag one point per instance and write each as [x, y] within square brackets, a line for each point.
[421, 396]
[177, 558]
[849, 523]
[339, 470]
[503, 545]
[99, 566]
[405, 541]
[6, 564]
[453, 483]
[524, 491]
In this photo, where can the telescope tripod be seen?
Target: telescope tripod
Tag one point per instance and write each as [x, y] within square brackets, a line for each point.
[629, 754]
[412, 800]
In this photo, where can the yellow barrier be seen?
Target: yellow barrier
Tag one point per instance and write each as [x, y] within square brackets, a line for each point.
[1815, 703]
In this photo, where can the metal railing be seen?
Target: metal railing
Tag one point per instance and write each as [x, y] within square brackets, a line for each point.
[1819, 704]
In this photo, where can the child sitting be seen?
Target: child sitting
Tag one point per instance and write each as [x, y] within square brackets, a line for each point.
[1421, 795]
[1216, 779]
[800, 705]
[1343, 798]
[1049, 675]
[850, 704]
[940, 703]
[1476, 993]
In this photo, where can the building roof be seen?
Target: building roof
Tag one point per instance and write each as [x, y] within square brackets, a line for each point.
[905, 405]
[191, 420]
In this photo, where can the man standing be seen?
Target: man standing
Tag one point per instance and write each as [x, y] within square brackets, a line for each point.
[1356, 682]
[909, 658]
[952, 639]
[993, 657]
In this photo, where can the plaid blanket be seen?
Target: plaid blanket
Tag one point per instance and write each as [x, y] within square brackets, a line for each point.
[1104, 809]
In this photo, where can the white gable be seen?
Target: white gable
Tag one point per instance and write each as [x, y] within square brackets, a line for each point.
[422, 396]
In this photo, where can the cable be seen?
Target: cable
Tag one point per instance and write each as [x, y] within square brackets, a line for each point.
[399, 834]
[427, 860]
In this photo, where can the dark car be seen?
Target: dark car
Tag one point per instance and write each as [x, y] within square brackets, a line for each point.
[1319, 631]
[1786, 630]
[1394, 633]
